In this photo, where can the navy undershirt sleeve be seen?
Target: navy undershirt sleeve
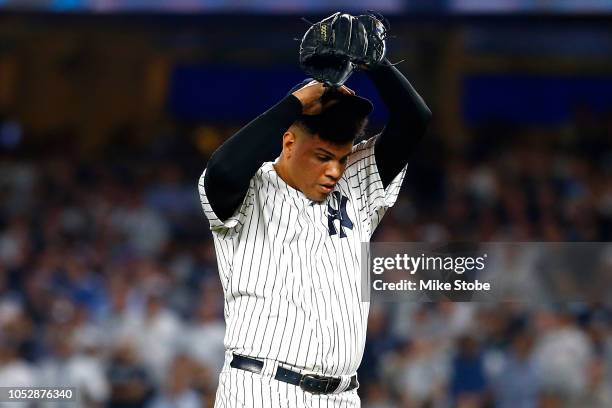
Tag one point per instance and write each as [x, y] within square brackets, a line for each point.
[235, 162]
[409, 118]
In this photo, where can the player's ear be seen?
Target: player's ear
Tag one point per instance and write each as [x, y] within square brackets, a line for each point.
[289, 139]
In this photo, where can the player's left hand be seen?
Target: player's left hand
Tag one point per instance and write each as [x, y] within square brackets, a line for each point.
[376, 27]
[329, 47]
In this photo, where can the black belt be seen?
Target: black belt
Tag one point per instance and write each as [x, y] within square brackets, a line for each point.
[314, 384]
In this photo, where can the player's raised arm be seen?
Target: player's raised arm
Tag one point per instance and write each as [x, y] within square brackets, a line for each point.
[234, 163]
[409, 118]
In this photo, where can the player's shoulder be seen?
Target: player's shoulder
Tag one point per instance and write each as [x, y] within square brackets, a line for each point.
[362, 150]
[266, 172]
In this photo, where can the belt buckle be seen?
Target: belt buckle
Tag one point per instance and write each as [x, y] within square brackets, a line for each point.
[315, 377]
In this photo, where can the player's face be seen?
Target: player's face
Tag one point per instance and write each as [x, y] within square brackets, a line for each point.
[317, 165]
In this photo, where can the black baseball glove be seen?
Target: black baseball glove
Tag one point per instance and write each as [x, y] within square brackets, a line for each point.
[376, 27]
[330, 48]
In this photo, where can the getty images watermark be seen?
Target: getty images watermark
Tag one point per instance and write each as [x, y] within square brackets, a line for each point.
[516, 272]
[412, 264]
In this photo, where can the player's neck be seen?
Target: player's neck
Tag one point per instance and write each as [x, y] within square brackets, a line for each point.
[281, 170]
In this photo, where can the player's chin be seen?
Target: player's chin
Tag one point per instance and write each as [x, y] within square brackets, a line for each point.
[318, 197]
[318, 194]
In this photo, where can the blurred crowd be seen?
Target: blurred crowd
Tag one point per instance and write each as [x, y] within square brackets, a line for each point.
[108, 278]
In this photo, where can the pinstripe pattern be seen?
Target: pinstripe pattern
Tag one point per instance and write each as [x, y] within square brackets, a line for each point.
[292, 290]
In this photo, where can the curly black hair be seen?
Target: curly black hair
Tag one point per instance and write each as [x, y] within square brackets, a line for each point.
[338, 123]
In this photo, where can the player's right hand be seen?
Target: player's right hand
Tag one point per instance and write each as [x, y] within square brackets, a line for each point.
[310, 96]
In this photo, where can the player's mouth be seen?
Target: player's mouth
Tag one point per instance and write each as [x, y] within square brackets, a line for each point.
[327, 188]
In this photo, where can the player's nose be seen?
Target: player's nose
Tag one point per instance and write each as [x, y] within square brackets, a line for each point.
[333, 171]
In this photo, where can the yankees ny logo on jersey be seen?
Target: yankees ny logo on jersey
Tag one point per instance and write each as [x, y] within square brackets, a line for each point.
[338, 214]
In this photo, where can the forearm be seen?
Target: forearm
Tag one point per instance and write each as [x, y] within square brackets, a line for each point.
[233, 164]
[409, 117]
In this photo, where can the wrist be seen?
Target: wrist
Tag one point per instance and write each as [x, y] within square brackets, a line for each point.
[383, 69]
[295, 102]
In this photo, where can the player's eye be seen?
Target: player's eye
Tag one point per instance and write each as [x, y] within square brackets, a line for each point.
[344, 160]
[323, 158]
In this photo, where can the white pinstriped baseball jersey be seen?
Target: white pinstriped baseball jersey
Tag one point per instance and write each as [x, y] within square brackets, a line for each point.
[290, 267]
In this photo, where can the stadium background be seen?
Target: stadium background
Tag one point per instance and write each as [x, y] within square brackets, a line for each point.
[110, 109]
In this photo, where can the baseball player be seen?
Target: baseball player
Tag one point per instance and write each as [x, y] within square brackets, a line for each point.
[290, 199]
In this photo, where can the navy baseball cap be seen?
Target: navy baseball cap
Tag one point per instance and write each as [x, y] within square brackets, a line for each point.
[352, 103]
